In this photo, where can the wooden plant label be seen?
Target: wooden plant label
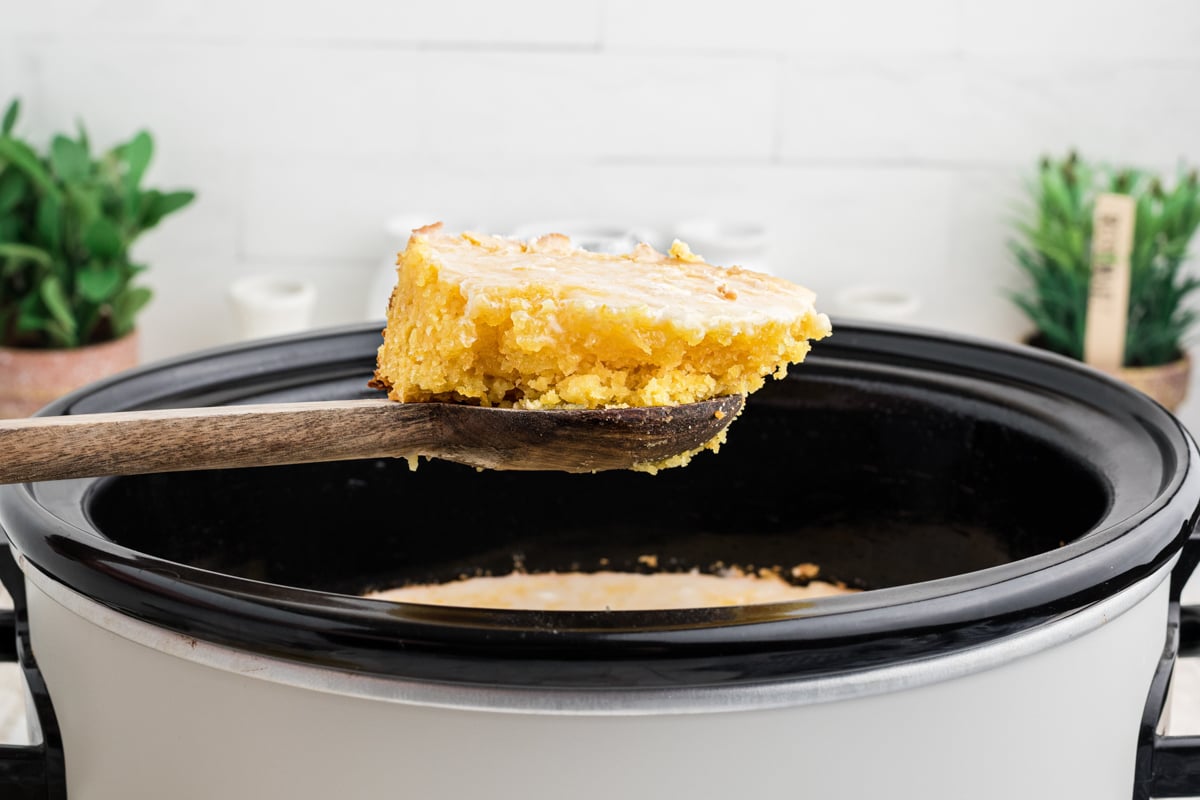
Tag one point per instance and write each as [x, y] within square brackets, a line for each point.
[1108, 293]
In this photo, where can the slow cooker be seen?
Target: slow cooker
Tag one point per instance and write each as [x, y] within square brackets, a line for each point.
[1021, 525]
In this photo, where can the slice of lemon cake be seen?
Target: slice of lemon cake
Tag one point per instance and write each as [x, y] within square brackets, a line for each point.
[543, 324]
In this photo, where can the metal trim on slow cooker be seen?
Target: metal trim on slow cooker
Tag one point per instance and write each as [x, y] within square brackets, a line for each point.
[613, 701]
[691, 648]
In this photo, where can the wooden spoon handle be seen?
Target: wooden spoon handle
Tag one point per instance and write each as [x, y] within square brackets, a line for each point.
[221, 437]
[133, 442]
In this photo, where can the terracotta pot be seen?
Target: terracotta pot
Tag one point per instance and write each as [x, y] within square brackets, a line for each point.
[1165, 383]
[31, 378]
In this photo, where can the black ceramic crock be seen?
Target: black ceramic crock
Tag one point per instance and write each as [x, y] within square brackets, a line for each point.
[976, 489]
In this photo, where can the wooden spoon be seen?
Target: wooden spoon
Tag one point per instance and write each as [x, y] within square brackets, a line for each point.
[170, 440]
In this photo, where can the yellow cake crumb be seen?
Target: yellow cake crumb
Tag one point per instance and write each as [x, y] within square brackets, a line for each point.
[543, 324]
[805, 571]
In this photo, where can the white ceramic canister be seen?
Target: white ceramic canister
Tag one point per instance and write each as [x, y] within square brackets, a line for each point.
[272, 305]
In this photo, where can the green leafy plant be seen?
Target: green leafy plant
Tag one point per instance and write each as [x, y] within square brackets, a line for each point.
[67, 222]
[1054, 251]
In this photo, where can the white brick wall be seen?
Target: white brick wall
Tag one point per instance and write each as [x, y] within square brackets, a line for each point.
[881, 142]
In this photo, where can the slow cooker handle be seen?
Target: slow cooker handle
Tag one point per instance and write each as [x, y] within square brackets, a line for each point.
[1169, 766]
[34, 771]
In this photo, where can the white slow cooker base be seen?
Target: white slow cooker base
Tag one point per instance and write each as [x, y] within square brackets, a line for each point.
[138, 722]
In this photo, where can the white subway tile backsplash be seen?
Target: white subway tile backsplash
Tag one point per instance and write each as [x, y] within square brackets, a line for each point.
[303, 102]
[177, 19]
[1014, 110]
[297, 101]
[915, 27]
[17, 71]
[971, 287]
[847, 26]
[495, 196]
[320, 209]
[1115, 30]
[885, 109]
[454, 22]
[701, 25]
[9, 67]
[1154, 29]
[831, 227]
[210, 226]
[493, 105]
[191, 309]
[190, 96]
[847, 227]
[987, 111]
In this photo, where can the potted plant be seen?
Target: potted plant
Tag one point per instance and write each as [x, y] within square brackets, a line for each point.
[69, 299]
[1053, 249]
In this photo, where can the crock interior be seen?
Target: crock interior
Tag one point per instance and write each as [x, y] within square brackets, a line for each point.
[880, 483]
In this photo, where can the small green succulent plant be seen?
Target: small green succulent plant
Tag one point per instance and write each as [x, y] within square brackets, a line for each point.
[1053, 249]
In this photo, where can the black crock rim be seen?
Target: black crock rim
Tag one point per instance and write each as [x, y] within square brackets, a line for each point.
[691, 647]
